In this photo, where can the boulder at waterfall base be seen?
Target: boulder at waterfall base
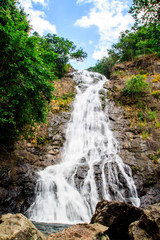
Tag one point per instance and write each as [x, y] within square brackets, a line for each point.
[148, 227]
[18, 227]
[125, 221]
[117, 216]
[82, 231]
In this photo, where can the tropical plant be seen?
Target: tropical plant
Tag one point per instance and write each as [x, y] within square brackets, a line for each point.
[25, 80]
[136, 85]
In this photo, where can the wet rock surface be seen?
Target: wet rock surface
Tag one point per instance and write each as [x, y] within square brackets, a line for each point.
[17, 186]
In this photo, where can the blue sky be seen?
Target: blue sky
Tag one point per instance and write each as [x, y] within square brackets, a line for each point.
[93, 25]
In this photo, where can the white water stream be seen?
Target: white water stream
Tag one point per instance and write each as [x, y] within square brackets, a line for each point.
[91, 169]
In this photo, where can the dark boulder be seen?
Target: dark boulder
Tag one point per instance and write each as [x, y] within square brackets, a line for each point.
[117, 216]
[148, 227]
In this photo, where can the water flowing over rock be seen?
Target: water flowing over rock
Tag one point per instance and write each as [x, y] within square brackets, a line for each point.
[91, 169]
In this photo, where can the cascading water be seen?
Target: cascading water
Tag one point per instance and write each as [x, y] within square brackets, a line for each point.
[91, 169]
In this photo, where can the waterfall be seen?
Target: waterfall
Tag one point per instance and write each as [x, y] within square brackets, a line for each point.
[91, 169]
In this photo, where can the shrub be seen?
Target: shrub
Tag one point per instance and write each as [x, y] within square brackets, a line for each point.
[136, 85]
[141, 116]
[152, 115]
[145, 135]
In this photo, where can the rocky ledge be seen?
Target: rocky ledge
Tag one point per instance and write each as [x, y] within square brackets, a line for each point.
[112, 220]
[135, 122]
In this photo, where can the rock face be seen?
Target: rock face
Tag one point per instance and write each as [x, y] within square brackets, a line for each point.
[82, 231]
[140, 152]
[17, 183]
[117, 216]
[48, 152]
[148, 227]
[18, 169]
[18, 227]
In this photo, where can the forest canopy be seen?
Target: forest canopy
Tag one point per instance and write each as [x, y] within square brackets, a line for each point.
[142, 39]
[29, 65]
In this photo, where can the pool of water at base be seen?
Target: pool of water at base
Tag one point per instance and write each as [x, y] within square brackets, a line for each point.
[49, 228]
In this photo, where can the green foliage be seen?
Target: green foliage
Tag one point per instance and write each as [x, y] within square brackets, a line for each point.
[25, 80]
[152, 115]
[157, 125]
[141, 116]
[136, 85]
[134, 169]
[65, 50]
[142, 39]
[28, 67]
[154, 158]
[104, 66]
[146, 11]
[145, 135]
[41, 140]
[68, 95]
[136, 42]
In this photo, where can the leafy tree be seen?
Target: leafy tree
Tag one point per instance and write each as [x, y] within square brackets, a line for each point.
[28, 67]
[65, 50]
[25, 79]
[104, 66]
[146, 11]
[136, 85]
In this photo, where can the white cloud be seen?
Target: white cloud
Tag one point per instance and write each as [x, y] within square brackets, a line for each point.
[36, 17]
[42, 2]
[110, 17]
[90, 42]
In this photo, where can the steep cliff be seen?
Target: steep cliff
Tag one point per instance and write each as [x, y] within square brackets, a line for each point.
[136, 126]
[135, 121]
[18, 169]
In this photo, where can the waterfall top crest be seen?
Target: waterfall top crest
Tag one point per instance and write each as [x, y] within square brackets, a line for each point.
[86, 77]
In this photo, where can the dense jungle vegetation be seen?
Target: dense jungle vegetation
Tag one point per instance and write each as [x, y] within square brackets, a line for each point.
[29, 65]
[142, 39]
